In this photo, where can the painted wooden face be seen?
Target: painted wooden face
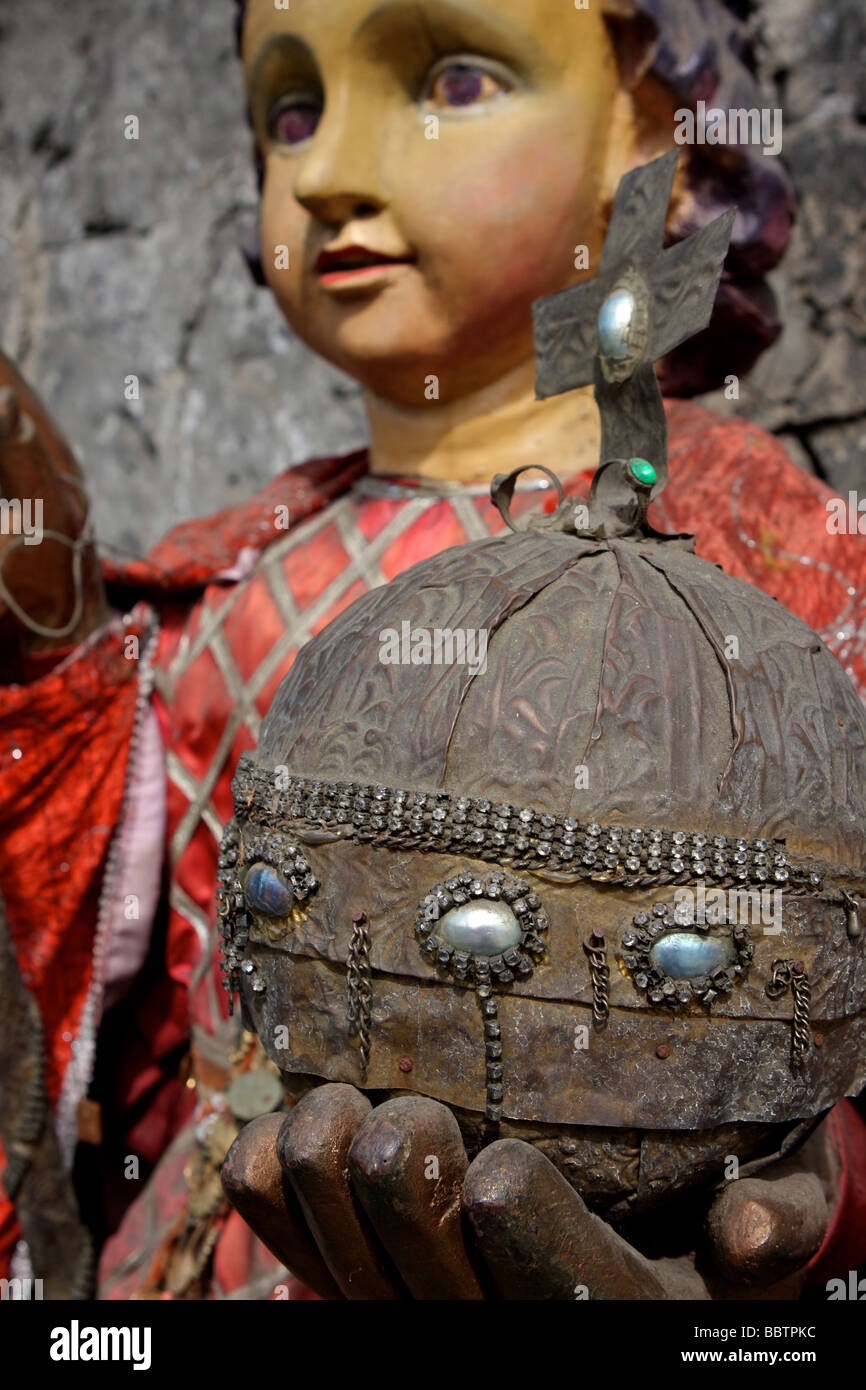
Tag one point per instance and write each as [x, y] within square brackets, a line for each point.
[429, 170]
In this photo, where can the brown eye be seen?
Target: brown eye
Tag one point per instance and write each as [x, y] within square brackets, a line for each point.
[463, 84]
[291, 123]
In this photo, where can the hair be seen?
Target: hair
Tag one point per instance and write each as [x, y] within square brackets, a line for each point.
[700, 51]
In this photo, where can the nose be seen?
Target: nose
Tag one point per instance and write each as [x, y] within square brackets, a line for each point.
[339, 178]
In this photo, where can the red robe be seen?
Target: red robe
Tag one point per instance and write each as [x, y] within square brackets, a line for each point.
[233, 605]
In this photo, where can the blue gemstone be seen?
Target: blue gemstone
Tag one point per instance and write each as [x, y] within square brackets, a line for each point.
[685, 955]
[482, 926]
[615, 319]
[266, 892]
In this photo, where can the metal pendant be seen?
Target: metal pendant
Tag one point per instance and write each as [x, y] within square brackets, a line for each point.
[484, 929]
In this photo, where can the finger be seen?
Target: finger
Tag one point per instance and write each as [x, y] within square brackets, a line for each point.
[313, 1147]
[407, 1165]
[256, 1186]
[540, 1241]
[762, 1230]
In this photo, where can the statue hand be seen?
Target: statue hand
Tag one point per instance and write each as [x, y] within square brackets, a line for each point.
[43, 580]
[383, 1204]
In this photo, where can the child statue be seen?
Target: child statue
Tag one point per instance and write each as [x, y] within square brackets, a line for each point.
[428, 172]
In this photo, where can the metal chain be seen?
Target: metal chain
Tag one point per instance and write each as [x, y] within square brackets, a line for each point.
[599, 973]
[802, 996]
[359, 991]
[790, 974]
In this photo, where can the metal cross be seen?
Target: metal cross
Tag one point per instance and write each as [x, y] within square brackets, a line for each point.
[645, 300]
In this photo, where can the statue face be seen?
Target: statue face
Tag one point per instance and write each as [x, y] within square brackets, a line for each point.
[446, 158]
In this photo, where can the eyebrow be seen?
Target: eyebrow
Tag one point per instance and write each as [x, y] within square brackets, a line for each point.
[460, 23]
[277, 43]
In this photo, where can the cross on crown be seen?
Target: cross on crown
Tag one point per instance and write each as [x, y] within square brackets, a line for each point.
[644, 302]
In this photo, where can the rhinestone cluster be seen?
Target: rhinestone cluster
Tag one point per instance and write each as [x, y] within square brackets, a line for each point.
[232, 909]
[662, 989]
[232, 916]
[527, 838]
[284, 856]
[485, 971]
[476, 969]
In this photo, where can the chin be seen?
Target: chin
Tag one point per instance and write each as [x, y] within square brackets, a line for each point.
[393, 341]
[395, 368]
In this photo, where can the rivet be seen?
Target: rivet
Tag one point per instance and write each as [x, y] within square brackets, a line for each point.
[405, 1064]
[359, 918]
[818, 1039]
[663, 1051]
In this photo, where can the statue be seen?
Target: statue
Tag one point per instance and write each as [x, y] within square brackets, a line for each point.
[571, 964]
[422, 184]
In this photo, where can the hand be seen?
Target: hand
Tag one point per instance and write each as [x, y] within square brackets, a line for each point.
[347, 1197]
[57, 596]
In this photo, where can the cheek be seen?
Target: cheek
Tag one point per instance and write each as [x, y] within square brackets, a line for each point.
[505, 218]
[284, 223]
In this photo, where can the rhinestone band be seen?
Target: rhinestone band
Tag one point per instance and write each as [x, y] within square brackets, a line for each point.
[524, 837]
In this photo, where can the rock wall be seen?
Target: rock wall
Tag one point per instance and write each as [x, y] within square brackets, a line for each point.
[810, 387]
[121, 257]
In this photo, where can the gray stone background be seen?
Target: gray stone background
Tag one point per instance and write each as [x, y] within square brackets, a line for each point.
[121, 257]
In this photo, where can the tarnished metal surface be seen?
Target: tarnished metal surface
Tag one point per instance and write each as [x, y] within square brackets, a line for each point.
[718, 1071]
[390, 885]
[609, 656]
[606, 655]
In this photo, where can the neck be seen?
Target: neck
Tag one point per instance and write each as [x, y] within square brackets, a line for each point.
[493, 430]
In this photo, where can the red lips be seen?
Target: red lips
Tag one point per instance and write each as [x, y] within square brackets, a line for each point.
[349, 258]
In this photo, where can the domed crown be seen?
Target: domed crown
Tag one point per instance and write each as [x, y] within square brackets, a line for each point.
[621, 680]
[619, 723]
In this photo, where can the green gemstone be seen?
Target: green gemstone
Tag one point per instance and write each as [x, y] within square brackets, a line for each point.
[642, 471]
